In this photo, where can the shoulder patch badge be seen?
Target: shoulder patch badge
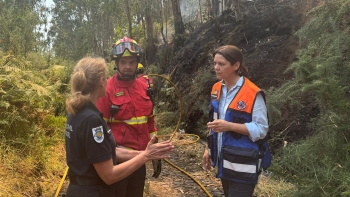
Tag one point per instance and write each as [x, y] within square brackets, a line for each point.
[241, 105]
[119, 94]
[98, 134]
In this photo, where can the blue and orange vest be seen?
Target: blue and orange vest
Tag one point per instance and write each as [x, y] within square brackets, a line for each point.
[232, 163]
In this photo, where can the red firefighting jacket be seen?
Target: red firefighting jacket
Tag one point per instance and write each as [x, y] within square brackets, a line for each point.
[133, 123]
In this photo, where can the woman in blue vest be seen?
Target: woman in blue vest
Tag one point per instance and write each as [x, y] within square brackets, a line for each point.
[238, 122]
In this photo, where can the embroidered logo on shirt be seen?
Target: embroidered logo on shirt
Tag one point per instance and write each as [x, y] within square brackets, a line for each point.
[119, 94]
[98, 134]
[214, 95]
[241, 105]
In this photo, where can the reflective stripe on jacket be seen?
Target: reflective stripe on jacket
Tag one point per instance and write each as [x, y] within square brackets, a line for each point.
[239, 155]
[133, 122]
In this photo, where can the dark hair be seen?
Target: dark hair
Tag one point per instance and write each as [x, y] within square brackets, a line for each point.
[233, 55]
[84, 80]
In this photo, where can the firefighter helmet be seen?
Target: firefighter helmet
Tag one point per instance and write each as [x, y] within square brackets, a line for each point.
[125, 47]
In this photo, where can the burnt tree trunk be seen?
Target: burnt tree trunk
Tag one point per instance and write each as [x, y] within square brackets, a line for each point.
[238, 13]
[179, 26]
[162, 22]
[215, 7]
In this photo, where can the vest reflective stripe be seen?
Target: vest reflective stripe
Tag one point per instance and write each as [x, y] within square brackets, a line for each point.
[239, 167]
[215, 116]
[132, 121]
[238, 111]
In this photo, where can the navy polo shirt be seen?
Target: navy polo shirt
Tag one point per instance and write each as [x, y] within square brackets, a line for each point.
[88, 141]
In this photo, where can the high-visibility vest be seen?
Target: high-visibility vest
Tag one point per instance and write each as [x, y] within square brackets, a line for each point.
[232, 162]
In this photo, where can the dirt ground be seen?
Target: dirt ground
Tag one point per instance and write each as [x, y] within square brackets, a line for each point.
[174, 183]
[191, 180]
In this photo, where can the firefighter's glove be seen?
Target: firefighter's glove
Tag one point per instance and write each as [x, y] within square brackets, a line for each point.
[157, 165]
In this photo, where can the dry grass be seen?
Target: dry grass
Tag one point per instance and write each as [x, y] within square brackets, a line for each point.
[54, 170]
[20, 174]
[269, 187]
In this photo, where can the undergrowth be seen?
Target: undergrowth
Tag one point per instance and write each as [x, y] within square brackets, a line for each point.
[318, 165]
[31, 143]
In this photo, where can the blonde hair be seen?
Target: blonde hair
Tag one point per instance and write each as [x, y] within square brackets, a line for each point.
[84, 80]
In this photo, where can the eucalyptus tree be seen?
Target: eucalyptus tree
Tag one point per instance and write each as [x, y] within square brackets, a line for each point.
[163, 17]
[238, 13]
[215, 8]
[209, 9]
[127, 8]
[83, 27]
[178, 23]
[150, 47]
[18, 26]
[147, 24]
[215, 4]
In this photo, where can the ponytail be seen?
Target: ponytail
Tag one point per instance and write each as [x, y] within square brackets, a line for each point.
[77, 99]
[84, 80]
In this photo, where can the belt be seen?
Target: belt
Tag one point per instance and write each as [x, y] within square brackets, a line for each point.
[79, 180]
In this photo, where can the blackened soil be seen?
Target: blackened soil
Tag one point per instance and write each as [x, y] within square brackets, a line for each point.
[266, 36]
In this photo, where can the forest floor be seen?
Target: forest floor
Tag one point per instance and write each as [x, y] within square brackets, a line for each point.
[195, 182]
[174, 183]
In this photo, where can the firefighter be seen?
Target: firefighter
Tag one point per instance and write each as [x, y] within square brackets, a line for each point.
[157, 164]
[238, 126]
[127, 109]
[140, 72]
[91, 151]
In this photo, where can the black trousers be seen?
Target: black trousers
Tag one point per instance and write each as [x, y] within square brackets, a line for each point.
[90, 190]
[235, 189]
[132, 185]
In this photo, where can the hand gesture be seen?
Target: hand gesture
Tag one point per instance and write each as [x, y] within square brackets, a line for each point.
[219, 125]
[157, 150]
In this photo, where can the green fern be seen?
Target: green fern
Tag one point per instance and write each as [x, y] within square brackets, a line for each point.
[318, 165]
